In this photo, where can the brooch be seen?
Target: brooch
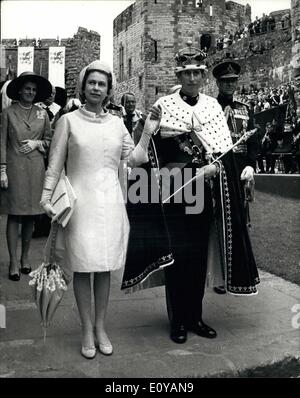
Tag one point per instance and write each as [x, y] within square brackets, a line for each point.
[40, 114]
[185, 148]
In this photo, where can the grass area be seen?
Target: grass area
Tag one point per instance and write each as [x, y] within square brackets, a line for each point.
[275, 235]
[287, 368]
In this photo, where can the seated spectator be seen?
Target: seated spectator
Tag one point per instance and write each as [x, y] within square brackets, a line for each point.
[283, 152]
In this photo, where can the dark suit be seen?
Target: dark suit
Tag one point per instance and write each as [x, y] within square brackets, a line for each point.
[185, 281]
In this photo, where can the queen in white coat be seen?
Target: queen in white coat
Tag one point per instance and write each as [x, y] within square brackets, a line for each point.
[91, 143]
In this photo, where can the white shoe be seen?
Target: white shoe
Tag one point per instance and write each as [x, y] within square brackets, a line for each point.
[88, 352]
[106, 349]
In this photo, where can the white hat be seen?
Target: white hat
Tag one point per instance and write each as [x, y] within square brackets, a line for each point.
[100, 66]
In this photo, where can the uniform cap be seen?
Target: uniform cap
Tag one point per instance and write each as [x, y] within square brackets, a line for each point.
[227, 70]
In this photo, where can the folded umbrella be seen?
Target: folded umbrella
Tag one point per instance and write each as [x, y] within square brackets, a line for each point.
[49, 284]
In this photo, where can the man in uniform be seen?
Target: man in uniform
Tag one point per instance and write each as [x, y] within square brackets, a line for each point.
[239, 119]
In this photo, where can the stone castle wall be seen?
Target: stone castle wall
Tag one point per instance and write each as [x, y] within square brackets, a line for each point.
[81, 49]
[296, 37]
[129, 34]
[295, 14]
[266, 65]
[155, 29]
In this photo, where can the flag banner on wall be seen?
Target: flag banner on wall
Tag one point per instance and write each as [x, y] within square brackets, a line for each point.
[56, 74]
[25, 59]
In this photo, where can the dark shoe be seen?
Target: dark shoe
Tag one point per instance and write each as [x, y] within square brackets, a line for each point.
[26, 269]
[178, 334]
[203, 330]
[220, 290]
[14, 277]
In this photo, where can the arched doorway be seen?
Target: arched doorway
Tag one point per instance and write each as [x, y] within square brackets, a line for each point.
[205, 42]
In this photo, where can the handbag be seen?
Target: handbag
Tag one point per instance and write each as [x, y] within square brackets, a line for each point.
[63, 201]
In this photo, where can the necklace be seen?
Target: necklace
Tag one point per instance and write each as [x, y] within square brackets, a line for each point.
[24, 107]
[26, 122]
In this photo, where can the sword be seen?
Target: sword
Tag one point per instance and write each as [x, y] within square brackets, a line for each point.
[244, 138]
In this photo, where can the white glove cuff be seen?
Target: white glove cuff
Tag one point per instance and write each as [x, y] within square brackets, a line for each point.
[46, 196]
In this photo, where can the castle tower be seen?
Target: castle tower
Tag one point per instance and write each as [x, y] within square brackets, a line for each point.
[149, 33]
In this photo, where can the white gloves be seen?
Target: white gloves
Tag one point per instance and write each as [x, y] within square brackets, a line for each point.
[48, 209]
[29, 146]
[153, 120]
[248, 174]
[45, 203]
[210, 170]
[3, 177]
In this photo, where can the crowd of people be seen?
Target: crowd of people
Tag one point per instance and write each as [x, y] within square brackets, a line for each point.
[265, 98]
[278, 140]
[169, 241]
[259, 26]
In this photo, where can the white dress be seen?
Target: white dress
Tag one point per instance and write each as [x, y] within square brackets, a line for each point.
[96, 237]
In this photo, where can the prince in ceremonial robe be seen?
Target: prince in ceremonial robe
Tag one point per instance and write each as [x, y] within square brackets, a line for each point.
[193, 134]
